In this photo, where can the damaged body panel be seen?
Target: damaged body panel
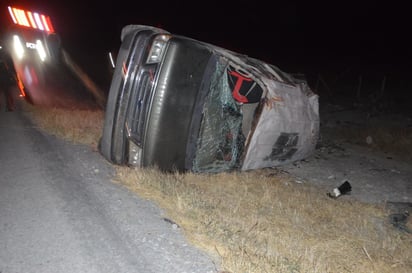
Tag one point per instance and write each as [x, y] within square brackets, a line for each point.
[181, 104]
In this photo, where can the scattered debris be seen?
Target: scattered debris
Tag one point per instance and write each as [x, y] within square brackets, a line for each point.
[399, 217]
[400, 221]
[274, 171]
[174, 225]
[342, 189]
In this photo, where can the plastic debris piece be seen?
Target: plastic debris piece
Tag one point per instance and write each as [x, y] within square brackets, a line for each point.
[345, 188]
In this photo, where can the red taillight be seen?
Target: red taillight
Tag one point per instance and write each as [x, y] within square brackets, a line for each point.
[31, 19]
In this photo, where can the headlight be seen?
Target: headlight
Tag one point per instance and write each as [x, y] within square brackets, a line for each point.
[18, 47]
[135, 154]
[40, 50]
[157, 49]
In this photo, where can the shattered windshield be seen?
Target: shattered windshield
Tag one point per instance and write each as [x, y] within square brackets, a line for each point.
[221, 142]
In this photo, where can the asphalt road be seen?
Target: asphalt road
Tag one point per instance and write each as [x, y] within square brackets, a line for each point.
[60, 212]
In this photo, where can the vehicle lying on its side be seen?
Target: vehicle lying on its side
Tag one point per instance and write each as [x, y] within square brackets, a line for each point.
[181, 104]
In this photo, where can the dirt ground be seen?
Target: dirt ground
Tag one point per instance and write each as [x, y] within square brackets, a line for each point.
[375, 176]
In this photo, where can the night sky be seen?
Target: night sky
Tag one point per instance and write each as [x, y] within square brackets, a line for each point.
[310, 37]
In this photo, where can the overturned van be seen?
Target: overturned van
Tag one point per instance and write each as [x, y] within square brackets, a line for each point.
[185, 105]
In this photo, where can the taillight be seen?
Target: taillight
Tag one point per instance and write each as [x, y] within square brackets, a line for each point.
[31, 19]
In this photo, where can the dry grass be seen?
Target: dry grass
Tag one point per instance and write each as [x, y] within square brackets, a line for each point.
[395, 140]
[258, 221]
[263, 221]
[74, 125]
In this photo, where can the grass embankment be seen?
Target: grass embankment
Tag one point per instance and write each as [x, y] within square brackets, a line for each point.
[257, 221]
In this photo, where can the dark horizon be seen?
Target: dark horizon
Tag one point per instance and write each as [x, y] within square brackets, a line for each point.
[363, 38]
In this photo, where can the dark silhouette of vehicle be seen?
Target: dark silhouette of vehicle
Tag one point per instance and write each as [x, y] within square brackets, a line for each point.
[34, 46]
[31, 36]
[47, 74]
[186, 105]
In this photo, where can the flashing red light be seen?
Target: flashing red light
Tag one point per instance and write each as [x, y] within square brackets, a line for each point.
[31, 19]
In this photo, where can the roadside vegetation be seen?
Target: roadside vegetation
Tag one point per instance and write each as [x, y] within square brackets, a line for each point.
[258, 221]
